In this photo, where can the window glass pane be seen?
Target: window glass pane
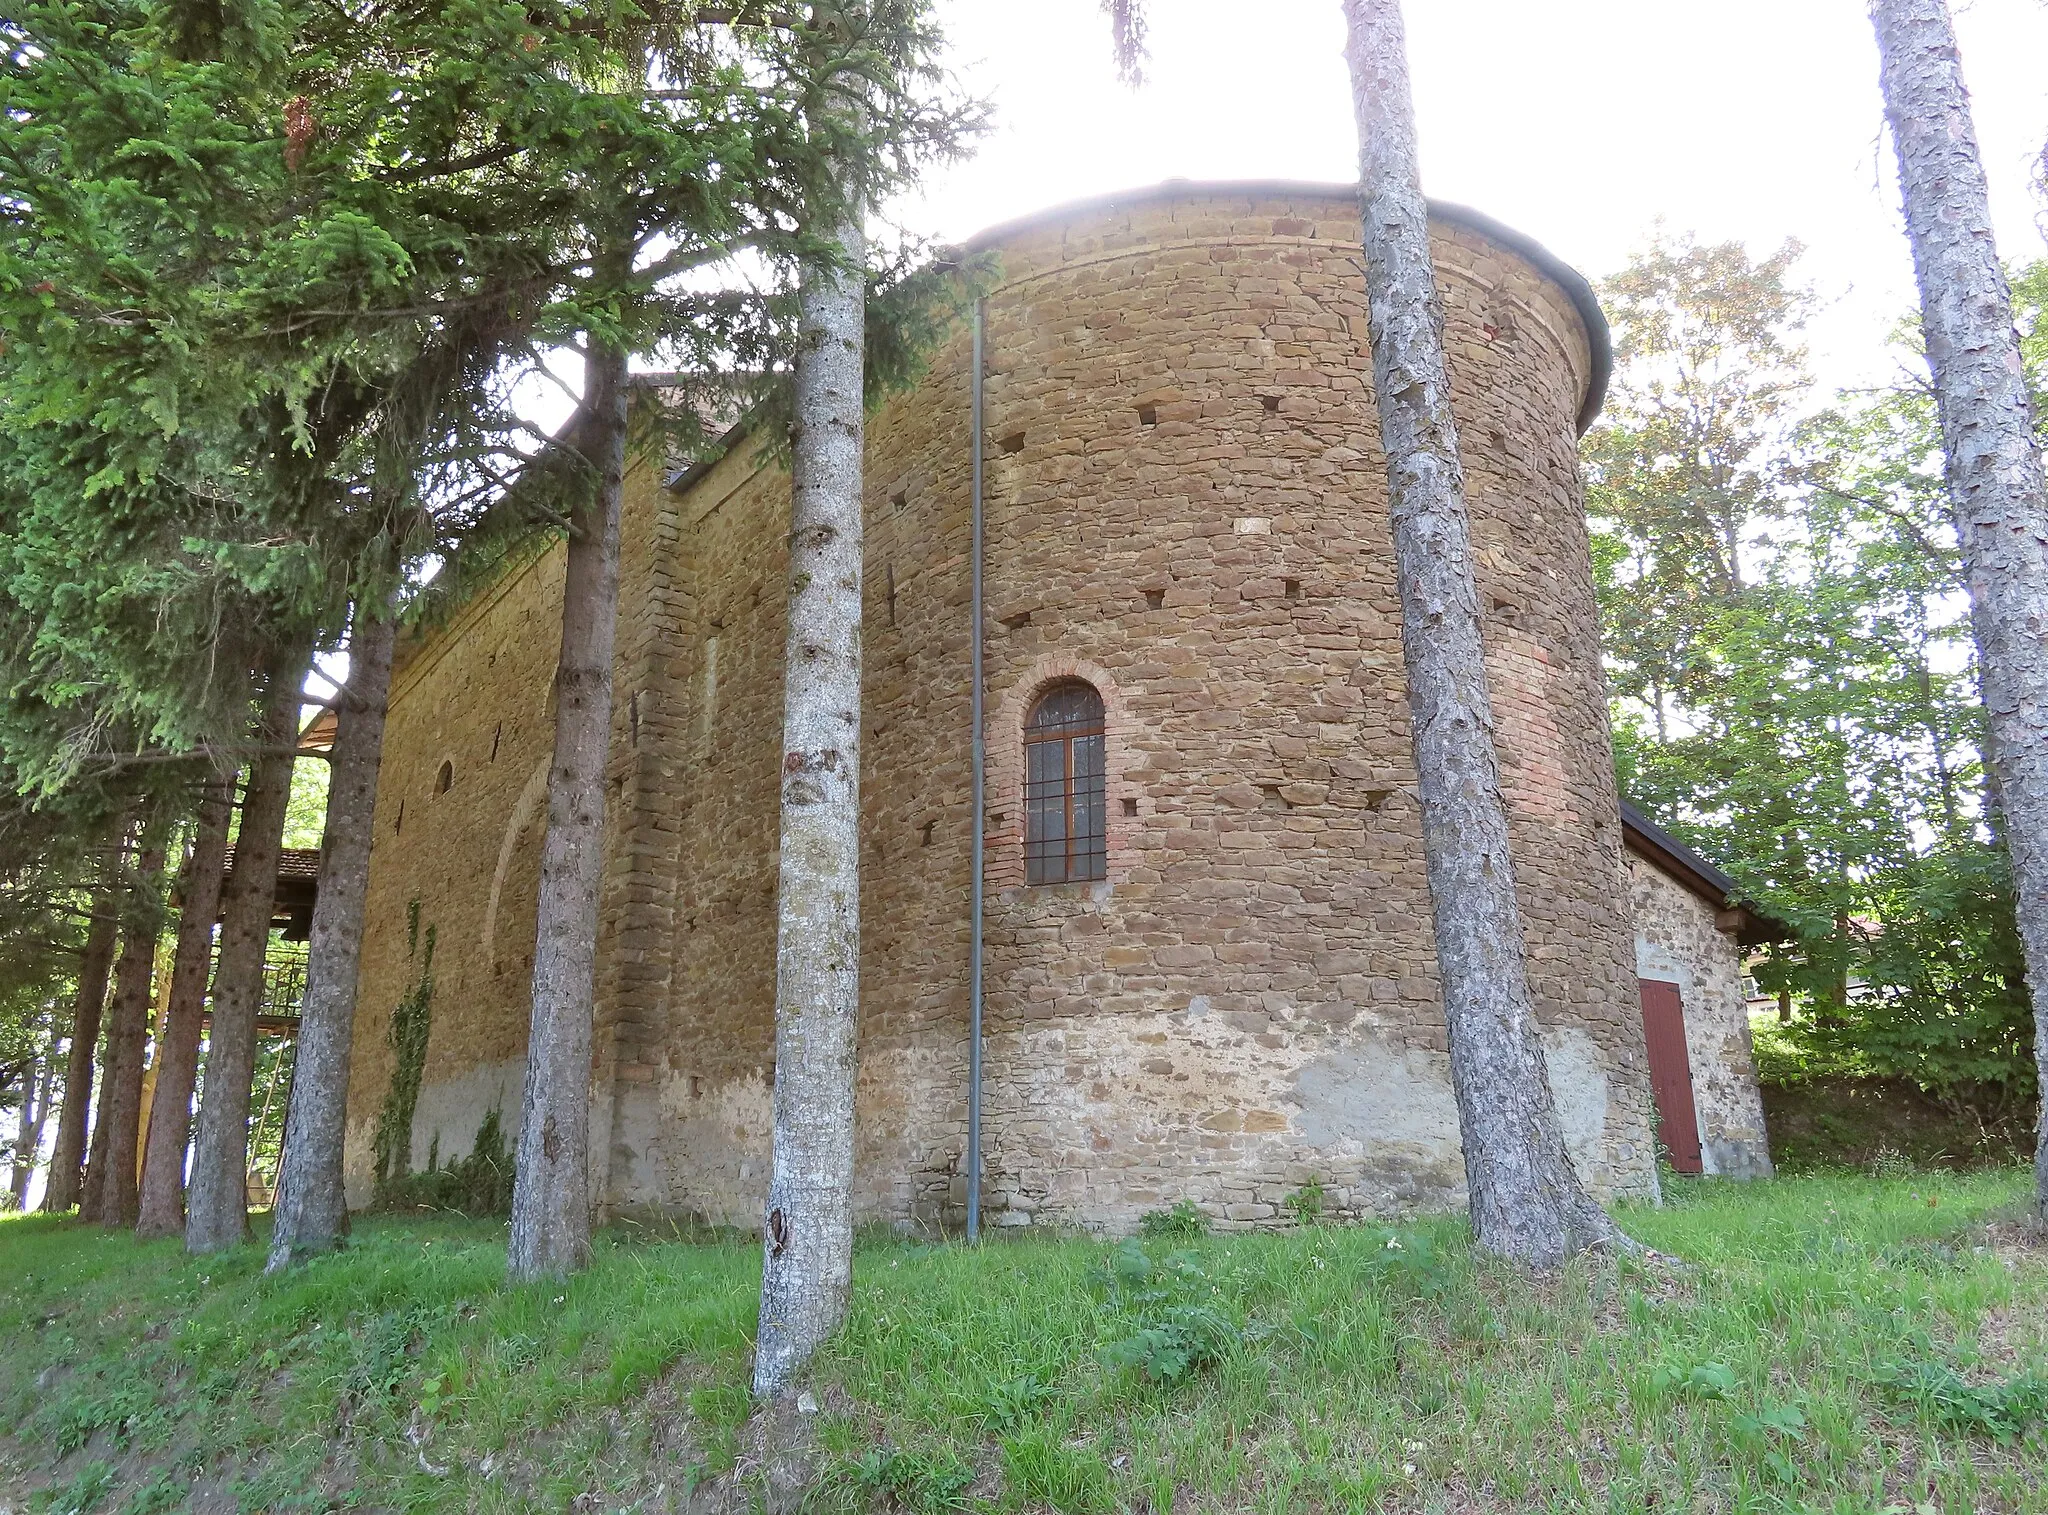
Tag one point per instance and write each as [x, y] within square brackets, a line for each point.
[1064, 708]
[1065, 814]
[1089, 851]
[1088, 759]
[1045, 812]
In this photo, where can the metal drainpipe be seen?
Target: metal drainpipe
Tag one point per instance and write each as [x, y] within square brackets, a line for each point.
[976, 803]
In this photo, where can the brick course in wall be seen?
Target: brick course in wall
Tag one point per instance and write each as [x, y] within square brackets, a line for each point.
[1185, 506]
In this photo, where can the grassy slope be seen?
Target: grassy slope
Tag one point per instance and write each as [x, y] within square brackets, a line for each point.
[1354, 1369]
[1855, 1122]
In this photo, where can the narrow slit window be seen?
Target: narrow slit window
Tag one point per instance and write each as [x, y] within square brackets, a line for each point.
[1066, 834]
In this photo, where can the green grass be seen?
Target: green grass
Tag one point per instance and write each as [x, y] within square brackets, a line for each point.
[1826, 1344]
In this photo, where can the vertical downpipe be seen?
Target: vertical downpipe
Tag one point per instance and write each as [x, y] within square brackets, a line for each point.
[976, 804]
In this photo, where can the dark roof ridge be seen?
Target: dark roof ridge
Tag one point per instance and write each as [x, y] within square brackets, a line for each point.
[1574, 284]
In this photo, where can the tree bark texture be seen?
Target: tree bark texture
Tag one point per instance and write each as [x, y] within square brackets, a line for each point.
[92, 1187]
[1994, 466]
[217, 1198]
[110, 1181]
[311, 1211]
[92, 1190]
[1527, 1201]
[551, 1183]
[95, 964]
[808, 1242]
[162, 1211]
[35, 1114]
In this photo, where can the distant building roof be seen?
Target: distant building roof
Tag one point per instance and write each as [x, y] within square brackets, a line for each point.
[319, 733]
[298, 886]
[1668, 855]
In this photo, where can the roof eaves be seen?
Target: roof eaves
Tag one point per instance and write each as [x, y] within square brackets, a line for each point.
[1570, 280]
[1669, 855]
[1574, 284]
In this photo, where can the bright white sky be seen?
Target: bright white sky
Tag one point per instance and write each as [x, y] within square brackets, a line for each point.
[1579, 122]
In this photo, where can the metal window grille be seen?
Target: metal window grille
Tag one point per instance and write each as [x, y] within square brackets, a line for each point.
[1066, 835]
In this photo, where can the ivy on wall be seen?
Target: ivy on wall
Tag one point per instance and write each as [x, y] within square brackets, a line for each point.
[411, 1020]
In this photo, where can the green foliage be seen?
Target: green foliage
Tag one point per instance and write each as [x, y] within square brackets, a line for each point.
[1835, 1121]
[1013, 1403]
[1412, 1264]
[1305, 1204]
[1790, 654]
[272, 1081]
[1699, 1380]
[1767, 1434]
[1177, 1341]
[919, 1478]
[1184, 1222]
[86, 1491]
[479, 1184]
[271, 272]
[1173, 1328]
[2004, 1411]
[411, 1022]
[305, 817]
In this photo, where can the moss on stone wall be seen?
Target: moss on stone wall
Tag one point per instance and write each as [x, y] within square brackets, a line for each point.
[411, 1021]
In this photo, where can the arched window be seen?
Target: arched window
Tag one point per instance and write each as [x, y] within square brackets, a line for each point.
[1065, 831]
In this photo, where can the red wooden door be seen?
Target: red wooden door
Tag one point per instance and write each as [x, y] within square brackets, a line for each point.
[1678, 1122]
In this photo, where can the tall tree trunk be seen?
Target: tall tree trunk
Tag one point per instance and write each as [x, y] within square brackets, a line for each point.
[92, 1189]
[1527, 1201]
[110, 1182]
[35, 1113]
[311, 1211]
[95, 964]
[217, 1200]
[1994, 470]
[551, 1186]
[808, 1244]
[162, 1210]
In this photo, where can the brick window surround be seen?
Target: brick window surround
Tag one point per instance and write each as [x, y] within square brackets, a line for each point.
[1124, 802]
[1065, 797]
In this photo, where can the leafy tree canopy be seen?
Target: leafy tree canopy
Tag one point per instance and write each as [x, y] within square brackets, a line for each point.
[1793, 675]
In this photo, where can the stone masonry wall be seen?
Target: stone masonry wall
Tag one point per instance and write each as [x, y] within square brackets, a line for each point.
[1185, 507]
[1185, 503]
[475, 696]
[1678, 943]
[1187, 492]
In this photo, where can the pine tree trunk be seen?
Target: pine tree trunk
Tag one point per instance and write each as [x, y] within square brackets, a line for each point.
[217, 1200]
[551, 1184]
[95, 964]
[808, 1243]
[162, 1210]
[1994, 462]
[1526, 1199]
[92, 1189]
[311, 1210]
[110, 1183]
[35, 1114]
